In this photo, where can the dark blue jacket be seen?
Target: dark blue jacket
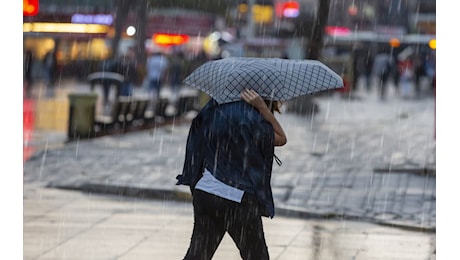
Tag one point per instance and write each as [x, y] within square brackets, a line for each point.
[236, 144]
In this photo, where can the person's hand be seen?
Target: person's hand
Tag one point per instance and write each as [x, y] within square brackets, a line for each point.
[253, 98]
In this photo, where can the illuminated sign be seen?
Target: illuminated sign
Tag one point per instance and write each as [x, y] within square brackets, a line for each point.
[170, 39]
[65, 28]
[29, 7]
[337, 30]
[106, 19]
[288, 9]
[260, 13]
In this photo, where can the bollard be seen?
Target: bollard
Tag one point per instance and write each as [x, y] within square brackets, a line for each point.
[82, 112]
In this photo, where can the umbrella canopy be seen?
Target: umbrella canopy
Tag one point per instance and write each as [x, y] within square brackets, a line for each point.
[406, 53]
[102, 76]
[272, 78]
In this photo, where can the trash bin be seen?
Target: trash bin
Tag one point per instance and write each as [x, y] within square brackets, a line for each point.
[82, 112]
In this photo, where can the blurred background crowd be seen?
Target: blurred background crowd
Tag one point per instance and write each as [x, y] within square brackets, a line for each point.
[72, 39]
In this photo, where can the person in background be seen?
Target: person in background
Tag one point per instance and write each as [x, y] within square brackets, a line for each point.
[28, 79]
[195, 62]
[228, 165]
[381, 69]
[50, 66]
[106, 65]
[175, 73]
[406, 72]
[127, 66]
[368, 62]
[419, 73]
[157, 65]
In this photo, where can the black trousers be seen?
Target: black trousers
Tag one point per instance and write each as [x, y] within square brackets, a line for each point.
[214, 216]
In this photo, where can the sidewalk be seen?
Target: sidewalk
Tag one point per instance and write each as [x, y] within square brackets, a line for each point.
[364, 160]
[60, 224]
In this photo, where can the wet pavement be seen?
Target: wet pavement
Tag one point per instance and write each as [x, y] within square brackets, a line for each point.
[60, 224]
[363, 161]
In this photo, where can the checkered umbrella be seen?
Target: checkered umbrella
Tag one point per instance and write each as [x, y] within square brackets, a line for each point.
[272, 78]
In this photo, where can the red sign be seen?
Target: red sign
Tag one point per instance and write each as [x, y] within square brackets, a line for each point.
[337, 30]
[289, 9]
[29, 7]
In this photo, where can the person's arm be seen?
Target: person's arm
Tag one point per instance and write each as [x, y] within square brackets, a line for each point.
[251, 97]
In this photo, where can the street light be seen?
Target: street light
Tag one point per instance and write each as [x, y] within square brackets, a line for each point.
[432, 44]
[131, 30]
[394, 42]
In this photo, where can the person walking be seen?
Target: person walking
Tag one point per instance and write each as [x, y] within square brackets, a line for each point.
[28, 78]
[381, 69]
[175, 73]
[406, 72]
[368, 62]
[157, 65]
[228, 165]
[106, 65]
[50, 66]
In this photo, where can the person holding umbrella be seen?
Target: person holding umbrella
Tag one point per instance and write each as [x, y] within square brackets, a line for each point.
[231, 142]
[228, 166]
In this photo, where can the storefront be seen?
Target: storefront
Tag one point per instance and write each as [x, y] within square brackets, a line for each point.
[75, 39]
[80, 33]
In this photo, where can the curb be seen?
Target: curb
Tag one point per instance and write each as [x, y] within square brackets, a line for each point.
[143, 193]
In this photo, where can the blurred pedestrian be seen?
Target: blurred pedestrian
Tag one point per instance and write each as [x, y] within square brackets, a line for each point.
[28, 78]
[50, 65]
[196, 62]
[395, 74]
[175, 73]
[157, 65]
[228, 165]
[381, 69]
[406, 72]
[107, 65]
[127, 66]
[368, 63]
[419, 72]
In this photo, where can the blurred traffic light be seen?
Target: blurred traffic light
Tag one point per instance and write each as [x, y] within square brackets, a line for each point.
[29, 7]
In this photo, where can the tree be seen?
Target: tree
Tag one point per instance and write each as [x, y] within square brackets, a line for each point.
[142, 14]
[122, 9]
[305, 105]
